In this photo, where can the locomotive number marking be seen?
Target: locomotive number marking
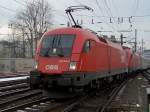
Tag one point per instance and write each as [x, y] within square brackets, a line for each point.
[64, 61]
[51, 67]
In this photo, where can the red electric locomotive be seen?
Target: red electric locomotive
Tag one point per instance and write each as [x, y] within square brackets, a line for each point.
[75, 57]
[133, 60]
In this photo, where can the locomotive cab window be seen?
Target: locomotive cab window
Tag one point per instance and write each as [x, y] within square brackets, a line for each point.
[57, 45]
[87, 46]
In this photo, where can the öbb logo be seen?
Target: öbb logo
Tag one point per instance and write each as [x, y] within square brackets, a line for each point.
[51, 67]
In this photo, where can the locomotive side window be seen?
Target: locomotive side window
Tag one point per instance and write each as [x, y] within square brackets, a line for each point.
[86, 46]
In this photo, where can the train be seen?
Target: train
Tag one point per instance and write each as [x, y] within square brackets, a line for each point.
[77, 58]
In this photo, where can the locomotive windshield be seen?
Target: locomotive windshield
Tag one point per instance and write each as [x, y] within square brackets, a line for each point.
[57, 45]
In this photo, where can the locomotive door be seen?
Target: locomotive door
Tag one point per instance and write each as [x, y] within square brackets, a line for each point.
[109, 59]
[89, 60]
[92, 56]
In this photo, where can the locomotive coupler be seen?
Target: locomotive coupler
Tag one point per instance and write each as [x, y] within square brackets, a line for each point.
[35, 79]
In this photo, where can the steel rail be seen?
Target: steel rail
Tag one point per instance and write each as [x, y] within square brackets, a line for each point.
[21, 97]
[76, 103]
[12, 82]
[112, 96]
[11, 87]
[12, 92]
[17, 107]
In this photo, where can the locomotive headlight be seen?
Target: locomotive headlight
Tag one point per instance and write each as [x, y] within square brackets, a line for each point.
[73, 65]
[36, 65]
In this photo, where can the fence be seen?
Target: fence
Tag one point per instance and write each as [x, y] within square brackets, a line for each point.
[16, 64]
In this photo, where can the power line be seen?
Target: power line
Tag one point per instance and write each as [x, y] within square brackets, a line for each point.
[103, 14]
[61, 13]
[21, 3]
[11, 10]
[24, 3]
[16, 33]
[108, 8]
[141, 15]
[105, 1]
[138, 16]
[114, 5]
[77, 2]
[99, 7]
[136, 7]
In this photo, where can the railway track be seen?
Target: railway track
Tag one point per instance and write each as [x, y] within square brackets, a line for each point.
[13, 92]
[9, 86]
[18, 98]
[26, 105]
[95, 102]
[113, 94]
[27, 100]
[13, 75]
[13, 82]
[42, 105]
[45, 104]
[92, 102]
[13, 87]
[146, 74]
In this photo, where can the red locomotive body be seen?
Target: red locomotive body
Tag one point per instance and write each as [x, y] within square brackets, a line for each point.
[135, 62]
[77, 57]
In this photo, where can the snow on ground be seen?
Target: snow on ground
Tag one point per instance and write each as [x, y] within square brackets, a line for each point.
[14, 78]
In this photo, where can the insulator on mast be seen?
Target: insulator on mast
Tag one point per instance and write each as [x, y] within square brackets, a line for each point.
[118, 20]
[81, 21]
[110, 20]
[92, 21]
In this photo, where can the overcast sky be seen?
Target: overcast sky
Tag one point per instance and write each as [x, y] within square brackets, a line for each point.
[139, 10]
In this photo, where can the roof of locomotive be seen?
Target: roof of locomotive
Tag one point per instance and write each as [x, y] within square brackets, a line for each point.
[77, 31]
[68, 30]
[84, 34]
[65, 30]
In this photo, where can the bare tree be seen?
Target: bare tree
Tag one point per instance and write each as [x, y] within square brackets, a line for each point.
[33, 21]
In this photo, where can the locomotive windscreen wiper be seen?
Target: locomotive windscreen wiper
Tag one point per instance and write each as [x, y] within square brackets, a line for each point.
[51, 47]
[60, 53]
[47, 44]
